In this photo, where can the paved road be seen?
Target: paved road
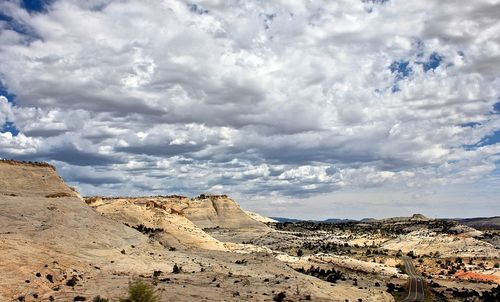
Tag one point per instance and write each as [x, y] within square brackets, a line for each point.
[416, 283]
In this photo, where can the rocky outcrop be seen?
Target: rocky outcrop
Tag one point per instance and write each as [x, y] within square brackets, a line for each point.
[180, 219]
[212, 211]
[419, 217]
[31, 179]
[160, 217]
[45, 225]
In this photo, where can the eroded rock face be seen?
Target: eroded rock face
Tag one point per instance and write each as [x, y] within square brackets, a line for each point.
[158, 217]
[31, 179]
[211, 211]
[179, 220]
[205, 211]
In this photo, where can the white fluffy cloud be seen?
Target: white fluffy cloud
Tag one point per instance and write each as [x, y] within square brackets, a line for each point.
[280, 99]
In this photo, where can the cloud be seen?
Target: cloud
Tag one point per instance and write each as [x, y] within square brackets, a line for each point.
[284, 99]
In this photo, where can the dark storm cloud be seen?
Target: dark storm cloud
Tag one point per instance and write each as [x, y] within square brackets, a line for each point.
[164, 150]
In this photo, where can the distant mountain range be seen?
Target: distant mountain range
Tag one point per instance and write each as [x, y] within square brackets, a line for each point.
[330, 220]
[478, 222]
[481, 222]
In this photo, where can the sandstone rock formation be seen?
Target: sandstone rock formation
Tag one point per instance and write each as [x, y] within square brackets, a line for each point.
[43, 224]
[211, 211]
[162, 215]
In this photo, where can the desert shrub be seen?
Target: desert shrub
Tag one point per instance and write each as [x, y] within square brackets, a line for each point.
[492, 295]
[156, 273]
[280, 297]
[50, 278]
[99, 299]
[411, 254]
[176, 269]
[72, 282]
[402, 268]
[58, 194]
[28, 163]
[147, 230]
[140, 291]
[329, 275]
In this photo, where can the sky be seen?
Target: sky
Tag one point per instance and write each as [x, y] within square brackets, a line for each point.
[305, 109]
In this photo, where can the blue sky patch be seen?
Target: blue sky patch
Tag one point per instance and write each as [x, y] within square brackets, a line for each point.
[10, 127]
[4, 92]
[400, 69]
[496, 108]
[434, 61]
[395, 88]
[491, 139]
[14, 25]
[470, 124]
[35, 6]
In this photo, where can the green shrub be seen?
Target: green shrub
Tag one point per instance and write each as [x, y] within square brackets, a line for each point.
[279, 297]
[176, 269]
[57, 195]
[140, 291]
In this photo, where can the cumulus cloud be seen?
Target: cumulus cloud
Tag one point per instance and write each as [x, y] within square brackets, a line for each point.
[279, 99]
